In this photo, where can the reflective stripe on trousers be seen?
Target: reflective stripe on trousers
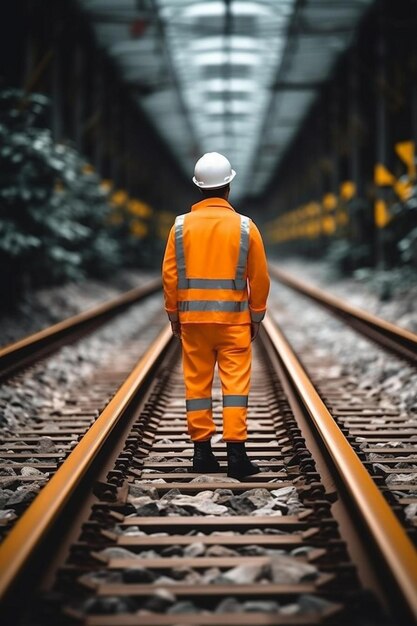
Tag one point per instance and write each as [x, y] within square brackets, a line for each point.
[230, 346]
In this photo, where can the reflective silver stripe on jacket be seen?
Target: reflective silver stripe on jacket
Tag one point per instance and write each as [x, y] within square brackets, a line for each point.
[198, 404]
[213, 305]
[236, 284]
[212, 283]
[179, 248]
[243, 248]
[235, 401]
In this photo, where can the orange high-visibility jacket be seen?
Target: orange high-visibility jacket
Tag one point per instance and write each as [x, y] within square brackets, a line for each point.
[215, 268]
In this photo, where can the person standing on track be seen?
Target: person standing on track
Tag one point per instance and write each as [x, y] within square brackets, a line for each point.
[216, 285]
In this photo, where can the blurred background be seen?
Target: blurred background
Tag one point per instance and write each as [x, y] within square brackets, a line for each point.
[105, 105]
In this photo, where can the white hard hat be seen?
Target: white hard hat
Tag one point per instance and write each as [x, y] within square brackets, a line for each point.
[213, 170]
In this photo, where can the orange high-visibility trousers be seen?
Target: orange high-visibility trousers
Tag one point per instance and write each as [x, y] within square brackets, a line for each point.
[230, 346]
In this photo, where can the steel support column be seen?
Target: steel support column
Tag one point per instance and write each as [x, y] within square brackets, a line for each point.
[56, 90]
[354, 123]
[334, 139]
[79, 96]
[99, 113]
[381, 127]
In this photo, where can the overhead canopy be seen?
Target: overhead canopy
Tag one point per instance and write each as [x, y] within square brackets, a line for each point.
[232, 76]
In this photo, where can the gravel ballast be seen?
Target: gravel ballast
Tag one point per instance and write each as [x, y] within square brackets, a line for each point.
[364, 288]
[330, 350]
[46, 385]
[44, 307]
[38, 397]
[312, 329]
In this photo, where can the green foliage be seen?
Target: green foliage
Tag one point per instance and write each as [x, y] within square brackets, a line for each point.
[52, 208]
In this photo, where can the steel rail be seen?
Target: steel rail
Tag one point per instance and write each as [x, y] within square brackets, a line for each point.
[399, 340]
[31, 530]
[389, 536]
[19, 353]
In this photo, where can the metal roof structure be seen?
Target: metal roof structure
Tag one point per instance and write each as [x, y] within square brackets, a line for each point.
[232, 76]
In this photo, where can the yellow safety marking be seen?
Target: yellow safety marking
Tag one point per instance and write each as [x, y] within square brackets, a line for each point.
[382, 176]
[106, 185]
[313, 209]
[139, 208]
[329, 201]
[328, 224]
[347, 189]
[138, 229]
[313, 229]
[119, 197]
[406, 152]
[403, 189]
[381, 213]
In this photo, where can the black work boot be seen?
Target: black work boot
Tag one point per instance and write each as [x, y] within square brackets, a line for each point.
[239, 464]
[204, 460]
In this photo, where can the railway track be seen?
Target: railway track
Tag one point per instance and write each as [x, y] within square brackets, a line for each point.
[32, 450]
[137, 538]
[383, 435]
[19, 354]
[398, 340]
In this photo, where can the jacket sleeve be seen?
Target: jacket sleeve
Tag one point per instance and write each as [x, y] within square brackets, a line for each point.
[170, 277]
[257, 275]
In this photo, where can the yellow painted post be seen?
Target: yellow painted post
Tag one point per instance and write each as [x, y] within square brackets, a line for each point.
[406, 152]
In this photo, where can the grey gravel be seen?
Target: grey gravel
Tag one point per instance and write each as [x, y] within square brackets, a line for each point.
[241, 575]
[194, 550]
[364, 287]
[31, 471]
[160, 600]
[138, 575]
[261, 606]
[53, 380]
[229, 605]
[44, 307]
[117, 553]
[111, 605]
[257, 502]
[285, 569]
[411, 511]
[183, 607]
[331, 350]
[41, 393]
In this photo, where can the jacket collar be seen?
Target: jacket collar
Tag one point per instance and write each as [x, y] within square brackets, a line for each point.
[212, 202]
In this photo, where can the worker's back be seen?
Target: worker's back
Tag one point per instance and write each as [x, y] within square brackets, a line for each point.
[210, 254]
[211, 238]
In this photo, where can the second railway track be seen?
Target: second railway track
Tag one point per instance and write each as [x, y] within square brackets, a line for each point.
[399, 341]
[53, 401]
[151, 543]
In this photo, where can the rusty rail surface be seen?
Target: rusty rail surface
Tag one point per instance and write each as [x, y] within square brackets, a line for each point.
[32, 528]
[398, 340]
[383, 527]
[24, 351]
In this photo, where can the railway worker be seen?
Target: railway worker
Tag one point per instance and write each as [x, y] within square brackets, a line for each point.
[216, 285]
